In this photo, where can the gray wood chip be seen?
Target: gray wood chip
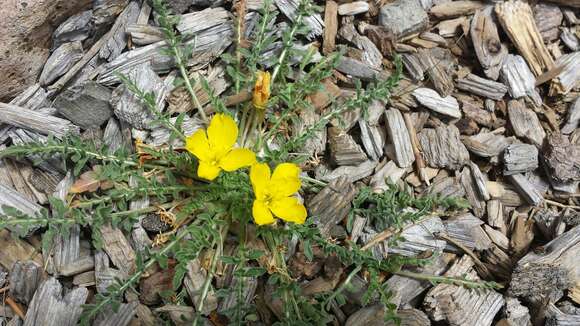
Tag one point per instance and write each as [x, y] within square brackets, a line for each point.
[61, 60]
[520, 158]
[482, 87]
[520, 79]
[442, 147]
[332, 204]
[431, 99]
[403, 17]
[39, 122]
[315, 22]
[399, 137]
[86, 105]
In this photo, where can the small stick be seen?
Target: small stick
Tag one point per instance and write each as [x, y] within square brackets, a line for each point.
[16, 308]
[419, 163]
[4, 289]
[555, 203]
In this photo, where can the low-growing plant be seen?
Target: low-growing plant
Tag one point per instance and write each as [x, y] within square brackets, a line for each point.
[212, 189]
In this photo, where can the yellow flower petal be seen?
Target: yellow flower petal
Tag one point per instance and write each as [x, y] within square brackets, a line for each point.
[198, 145]
[207, 171]
[260, 178]
[285, 180]
[261, 213]
[237, 158]
[261, 92]
[222, 133]
[289, 209]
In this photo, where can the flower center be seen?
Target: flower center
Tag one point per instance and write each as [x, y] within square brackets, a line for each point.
[268, 199]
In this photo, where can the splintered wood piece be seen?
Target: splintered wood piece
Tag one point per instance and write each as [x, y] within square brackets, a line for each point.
[547, 273]
[442, 147]
[520, 80]
[457, 305]
[122, 316]
[406, 289]
[343, 149]
[194, 281]
[399, 136]
[371, 55]
[444, 105]
[353, 173]
[487, 144]
[571, 3]
[203, 20]
[473, 110]
[86, 105]
[447, 10]
[520, 158]
[118, 248]
[556, 317]
[75, 28]
[482, 87]
[330, 27]
[42, 123]
[25, 277]
[439, 64]
[15, 250]
[359, 69]
[332, 204]
[390, 173]
[479, 181]
[142, 34]
[315, 22]
[495, 215]
[66, 249]
[465, 229]
[418, 238]
[526, 189]
[517, 20]
[250, 284]
[548, 18]
[314, 145]
[353, 8]
[561, 158]
[486, 42]
[515, 313]
[10, 197]
[49, 307]
[118, 40]
[127, 106]
[380, 36]
[525, 123]
[403, 17]
[373, 139]
[566, 74]
[471, 192]
[61, 60]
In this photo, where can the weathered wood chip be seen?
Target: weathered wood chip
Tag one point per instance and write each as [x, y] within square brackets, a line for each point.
[194, 281]
[10, 197]
[49, 307]
[332, 204]
[419, 238]
[118, 39]
[399, 137]
[520, 80]
[121, 317]
[86, 105]
[472, 193]
[556, 317]
[466, 230]
[315, 22]
[432, 100]
[457, 8]
[457, 305]
[370, 53]
[389, 173]
[520, 158]
[487, 144]
[353, 8]
[517, 20]
[40, 122]
[353, 173]
[373, 139]
[403, 17]
[25, 277]
[525, 123]
[61, 60]
[515, 313]
[75, 28]
[561, 158]
[343, 149]
[442, 147]
[548, 18]
[482, 87]
[547, 273]
[330, 27]
[526, 189]
[565, 74]
[117, 247]
[359, 69]
[486, 42]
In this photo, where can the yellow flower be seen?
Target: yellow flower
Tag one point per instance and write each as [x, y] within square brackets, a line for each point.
[261, 90]
[214, 149]
[274, 193]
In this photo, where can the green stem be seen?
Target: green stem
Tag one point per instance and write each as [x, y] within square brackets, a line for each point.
[287, 45]
[342, 286]
[453, 280]
[131, 191]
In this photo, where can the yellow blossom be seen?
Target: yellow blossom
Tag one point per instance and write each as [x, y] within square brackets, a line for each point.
[261, 90]
[214, 148]
[274, 193]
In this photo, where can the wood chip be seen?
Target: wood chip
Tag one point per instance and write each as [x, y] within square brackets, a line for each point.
[548, 18]
[61, 60]
[519, 79]
[332, 204]
[457, 8]
[343, 149]
[525, 123]
[520, 158]
[526, 189]
[117, 247]
[486, 42]
[403, 17]
[25, 277]
[330, 27]
[399, 137]
[518, 22]
[49, 307]
[289, 8]
[431, 99]
[443, 148]
[482, 87]
[42, 123]
[353, 8]
[457, 305]
[561, 158]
